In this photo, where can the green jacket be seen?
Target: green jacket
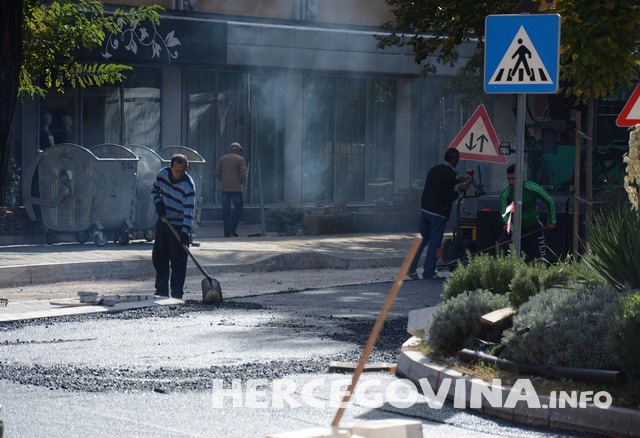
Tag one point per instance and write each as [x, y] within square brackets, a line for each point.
[531, 192]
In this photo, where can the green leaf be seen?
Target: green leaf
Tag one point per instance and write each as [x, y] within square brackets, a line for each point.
[598, 41]
[55, 32]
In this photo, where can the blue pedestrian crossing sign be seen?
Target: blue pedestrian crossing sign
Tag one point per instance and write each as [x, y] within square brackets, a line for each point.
[522, 53]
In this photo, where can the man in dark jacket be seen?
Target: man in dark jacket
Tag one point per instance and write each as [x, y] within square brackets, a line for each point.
[437, 197]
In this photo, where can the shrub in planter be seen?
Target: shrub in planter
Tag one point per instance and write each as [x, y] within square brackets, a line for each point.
[284, 218]
[566, 327]
[456, 321]
[624, 333]
[527, 283]
[537, 277]
[484, 271]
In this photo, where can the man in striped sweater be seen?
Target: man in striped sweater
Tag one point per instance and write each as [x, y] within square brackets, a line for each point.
[532, 230]
[174, 195]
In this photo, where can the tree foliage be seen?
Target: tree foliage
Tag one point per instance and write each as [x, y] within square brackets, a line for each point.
[599, 45]
[599, 42]
[42, 44]
[57, 33]
[436, 28]
[11, 55]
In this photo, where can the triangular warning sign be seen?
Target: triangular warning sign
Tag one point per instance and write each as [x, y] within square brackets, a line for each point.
[630, 114]
[478, 140]
[521, 63]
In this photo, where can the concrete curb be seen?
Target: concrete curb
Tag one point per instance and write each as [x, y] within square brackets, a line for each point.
[612, 421]
[143, 268]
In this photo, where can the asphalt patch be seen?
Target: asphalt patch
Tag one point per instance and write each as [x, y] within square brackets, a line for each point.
[166, 380]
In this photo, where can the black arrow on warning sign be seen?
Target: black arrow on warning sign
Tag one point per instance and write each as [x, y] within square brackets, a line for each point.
[471, 145]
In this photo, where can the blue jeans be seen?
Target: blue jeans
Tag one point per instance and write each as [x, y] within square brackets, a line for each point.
[432, 230]
[230, 219]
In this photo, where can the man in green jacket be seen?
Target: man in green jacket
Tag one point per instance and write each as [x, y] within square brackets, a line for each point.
[532, 230]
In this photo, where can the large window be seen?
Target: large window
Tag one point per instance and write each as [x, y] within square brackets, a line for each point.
[123, 114]
[126, 114]
[58, 119]
[349, 131]
[248, 108]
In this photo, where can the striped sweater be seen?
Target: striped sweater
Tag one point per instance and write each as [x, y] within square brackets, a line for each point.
[179, 198]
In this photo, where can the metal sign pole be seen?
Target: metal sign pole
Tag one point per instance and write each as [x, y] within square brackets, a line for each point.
[519, 176]
[522, 56]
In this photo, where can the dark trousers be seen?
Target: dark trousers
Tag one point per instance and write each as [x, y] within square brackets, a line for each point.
[532, 242]
[231, 218]
[170, 260]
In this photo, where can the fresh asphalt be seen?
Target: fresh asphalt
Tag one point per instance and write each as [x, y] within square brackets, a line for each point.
[131, 372]
[150, 372]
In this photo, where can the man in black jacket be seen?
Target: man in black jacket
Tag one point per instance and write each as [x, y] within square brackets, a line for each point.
[438, 195]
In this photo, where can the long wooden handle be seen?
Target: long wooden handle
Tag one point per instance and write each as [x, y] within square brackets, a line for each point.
[186, 248]
[377, 328]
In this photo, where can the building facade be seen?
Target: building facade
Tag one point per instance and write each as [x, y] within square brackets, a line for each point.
[323, 114]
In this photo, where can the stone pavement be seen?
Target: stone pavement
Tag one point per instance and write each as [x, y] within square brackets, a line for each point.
[44, 273]
[41, 264]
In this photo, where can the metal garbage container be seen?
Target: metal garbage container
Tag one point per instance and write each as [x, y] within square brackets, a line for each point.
[144, 212]
[114, 200]
[195, 169]
[80, 193]
[64, 189]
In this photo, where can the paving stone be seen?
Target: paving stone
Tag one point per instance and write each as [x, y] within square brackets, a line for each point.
[419, 321]
[396, 428]
[315, 432]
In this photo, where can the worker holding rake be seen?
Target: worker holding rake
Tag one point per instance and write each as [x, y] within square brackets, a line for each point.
[173, 195]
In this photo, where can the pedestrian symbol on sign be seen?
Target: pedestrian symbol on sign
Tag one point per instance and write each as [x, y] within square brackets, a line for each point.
[521, 63]
[522, 54]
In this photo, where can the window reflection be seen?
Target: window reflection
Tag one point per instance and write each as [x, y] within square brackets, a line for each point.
[349, 140]
[248, 108]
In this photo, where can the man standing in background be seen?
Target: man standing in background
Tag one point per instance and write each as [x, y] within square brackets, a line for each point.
[231, 170]
[174, 196]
